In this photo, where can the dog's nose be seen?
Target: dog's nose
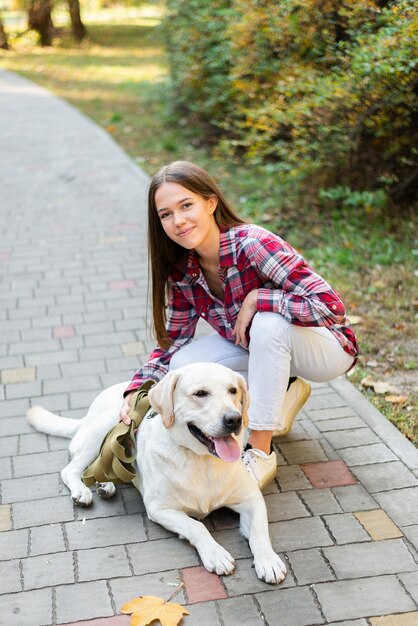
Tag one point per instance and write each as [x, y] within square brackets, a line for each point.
[232, 421]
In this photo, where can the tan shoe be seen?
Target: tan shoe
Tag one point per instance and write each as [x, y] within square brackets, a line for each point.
[296, 396]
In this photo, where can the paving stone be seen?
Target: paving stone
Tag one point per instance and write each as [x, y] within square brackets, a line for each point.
[48, 570]
[245, 580]
[155, 531]
[292, 478]
[366, 455]
[29, 607]
[97, 533]
[385, 476]
[411, 532]
[351, 438]
[82, 601]
[5, 467]
[20, 375]
[225, 518]
[33, 442]
[318, 415]
[71, 383]
[405, 619]
[242, 611]
[320, 501]
[410, 581]
[345, 528]
[99, 563]
[132, 500]
[161, 584]
[328, 474]
[201, 585]
[46, 539]
[46, 511]
[14, 426]
[324, 401]
[37, 487]
[23, 390]
[234, 542]
[283, 506]
[40, 463]
[351, 599]
[354, 498]
[372, 559]
[400, 505]
[9, 577]
[356, 622]
[116, 620]
[204, 614]
[8, 446]
[13, 408]
[299, 534]
[378, 524]
[5, 517]
[302, 452]
[297, 607]
[161, 555]
[309, 566]
[343, 423]
[86, 368]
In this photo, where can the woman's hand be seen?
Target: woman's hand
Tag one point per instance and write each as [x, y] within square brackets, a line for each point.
[246, 314]
[126, 407]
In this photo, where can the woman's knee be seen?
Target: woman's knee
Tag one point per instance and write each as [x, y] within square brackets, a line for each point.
[268, 326]
[182, 357]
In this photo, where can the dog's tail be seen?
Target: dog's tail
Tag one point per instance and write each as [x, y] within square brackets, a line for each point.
[51, 424]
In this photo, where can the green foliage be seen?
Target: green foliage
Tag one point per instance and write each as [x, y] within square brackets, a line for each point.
[323, 92]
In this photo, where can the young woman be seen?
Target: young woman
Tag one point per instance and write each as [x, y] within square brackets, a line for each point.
[274, 318]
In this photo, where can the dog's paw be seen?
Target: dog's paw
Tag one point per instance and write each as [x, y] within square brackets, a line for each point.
[218, 560]
[82, 497]
[105, 490]
[270, 568]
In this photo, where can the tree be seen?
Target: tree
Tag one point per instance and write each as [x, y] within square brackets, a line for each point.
[77, 26]
[3, 37]
[39, 19]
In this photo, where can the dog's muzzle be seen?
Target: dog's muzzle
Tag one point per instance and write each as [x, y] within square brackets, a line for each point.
[224, 446]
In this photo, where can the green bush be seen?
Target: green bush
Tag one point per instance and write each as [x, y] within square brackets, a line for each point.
[323, 92]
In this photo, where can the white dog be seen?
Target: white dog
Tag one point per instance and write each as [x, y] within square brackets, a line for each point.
[189, 459]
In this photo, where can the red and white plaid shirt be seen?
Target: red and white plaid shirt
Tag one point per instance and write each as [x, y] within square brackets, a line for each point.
[250, 258]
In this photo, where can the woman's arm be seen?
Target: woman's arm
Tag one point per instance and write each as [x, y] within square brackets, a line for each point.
[297, 292]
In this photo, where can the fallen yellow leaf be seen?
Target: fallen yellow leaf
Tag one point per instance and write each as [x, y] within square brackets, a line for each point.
[147, 609]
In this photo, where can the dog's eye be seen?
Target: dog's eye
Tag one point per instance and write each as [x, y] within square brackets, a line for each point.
[201, 393]
[233, 390]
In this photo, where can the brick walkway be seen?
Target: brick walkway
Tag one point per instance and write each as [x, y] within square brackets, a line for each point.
[344, 509]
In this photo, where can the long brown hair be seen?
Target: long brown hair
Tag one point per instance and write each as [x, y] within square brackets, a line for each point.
[162, 251]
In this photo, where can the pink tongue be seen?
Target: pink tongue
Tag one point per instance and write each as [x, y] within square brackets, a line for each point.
[227, 448]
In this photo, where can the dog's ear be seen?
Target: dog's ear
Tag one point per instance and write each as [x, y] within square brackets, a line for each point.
[245, 399]
[161, 397]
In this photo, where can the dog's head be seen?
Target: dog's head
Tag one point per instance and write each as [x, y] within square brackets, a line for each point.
[205, 405]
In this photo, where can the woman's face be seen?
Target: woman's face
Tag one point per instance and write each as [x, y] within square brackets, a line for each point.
[186, 217]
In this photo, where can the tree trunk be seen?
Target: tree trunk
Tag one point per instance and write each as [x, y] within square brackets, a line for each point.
[39, 19]
[77, 26]
[3, 37]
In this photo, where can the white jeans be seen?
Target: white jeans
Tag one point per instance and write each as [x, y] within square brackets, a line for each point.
[277, 351]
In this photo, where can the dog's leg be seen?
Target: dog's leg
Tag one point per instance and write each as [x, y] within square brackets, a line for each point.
[214, 557]
[71, 476]
[254, 526]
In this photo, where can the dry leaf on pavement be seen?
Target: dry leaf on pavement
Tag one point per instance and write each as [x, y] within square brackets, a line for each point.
[147, 609]
[396, 399]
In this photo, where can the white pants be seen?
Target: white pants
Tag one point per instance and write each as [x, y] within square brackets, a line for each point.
[277, 351]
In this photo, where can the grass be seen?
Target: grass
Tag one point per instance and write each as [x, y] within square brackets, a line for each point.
[119, 78]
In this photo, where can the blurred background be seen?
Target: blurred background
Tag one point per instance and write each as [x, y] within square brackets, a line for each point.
[306, 113]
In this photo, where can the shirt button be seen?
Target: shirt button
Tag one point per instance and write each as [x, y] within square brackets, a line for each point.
[203, 314]
[334, 306]
[194, 275]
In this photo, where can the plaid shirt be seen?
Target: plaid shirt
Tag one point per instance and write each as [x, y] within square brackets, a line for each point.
[250, 258]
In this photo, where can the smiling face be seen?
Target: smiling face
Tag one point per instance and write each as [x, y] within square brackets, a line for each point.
[187, 218]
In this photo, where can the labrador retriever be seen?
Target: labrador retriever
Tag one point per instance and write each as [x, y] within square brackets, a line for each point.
[189, 459]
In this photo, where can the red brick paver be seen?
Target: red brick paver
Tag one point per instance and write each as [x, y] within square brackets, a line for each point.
[201, 585]
[62, 332]
[328, 474]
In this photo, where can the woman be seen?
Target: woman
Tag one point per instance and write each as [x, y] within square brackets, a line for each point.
[274, 318]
